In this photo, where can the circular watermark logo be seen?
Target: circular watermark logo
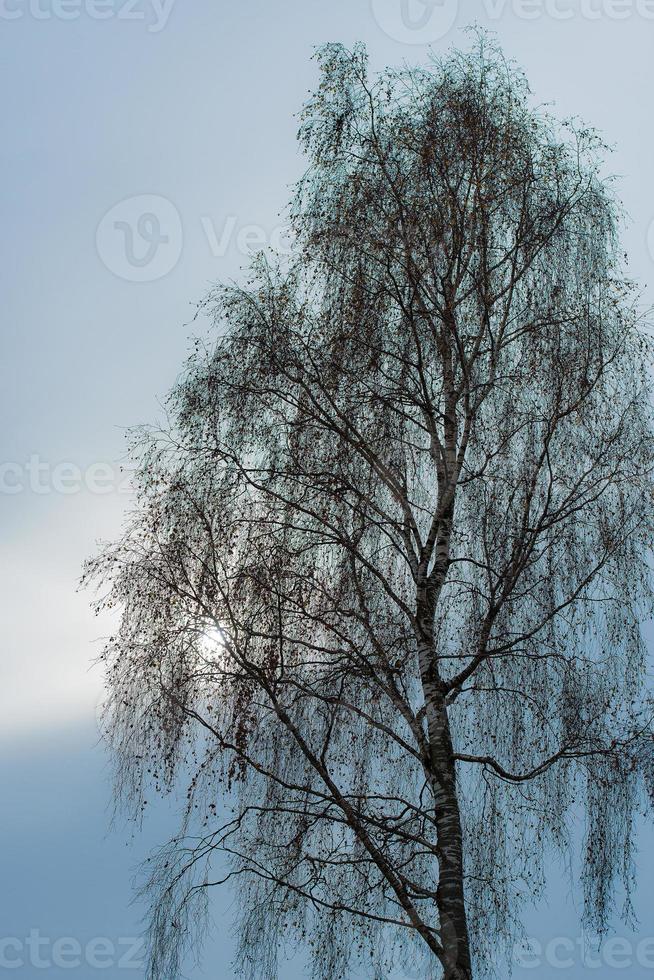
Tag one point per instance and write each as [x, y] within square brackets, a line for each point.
[415, 21]
[140, 239]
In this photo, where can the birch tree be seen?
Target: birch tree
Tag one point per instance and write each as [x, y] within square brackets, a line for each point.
[382, 590]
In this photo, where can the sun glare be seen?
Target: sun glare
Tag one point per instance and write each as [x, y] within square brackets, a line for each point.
[212, 642]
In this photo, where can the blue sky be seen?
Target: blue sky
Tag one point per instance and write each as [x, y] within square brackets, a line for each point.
[183, 110]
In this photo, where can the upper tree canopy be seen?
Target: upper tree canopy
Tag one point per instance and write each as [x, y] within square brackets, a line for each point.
[398, 524]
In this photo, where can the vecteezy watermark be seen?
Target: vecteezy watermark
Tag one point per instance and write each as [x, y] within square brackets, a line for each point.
[140, 239]
[67, 953]
[247, 239]
[154, 13]
[566, 953]
[416, 21]
[39, 476]
[427, 21]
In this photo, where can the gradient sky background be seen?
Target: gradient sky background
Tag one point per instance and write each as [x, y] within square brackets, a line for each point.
[191, 103]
